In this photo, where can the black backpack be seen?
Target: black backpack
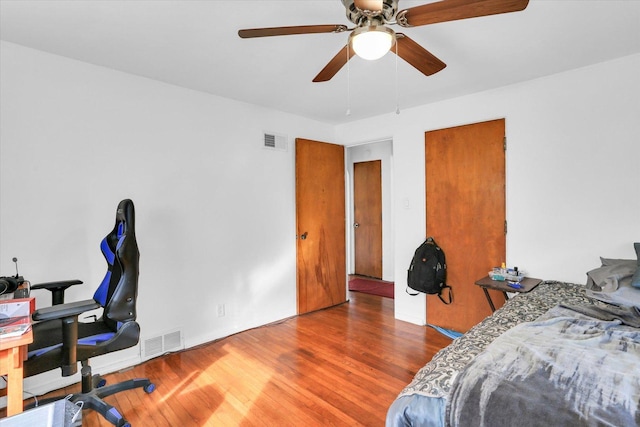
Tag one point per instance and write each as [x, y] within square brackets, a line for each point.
[428, 271]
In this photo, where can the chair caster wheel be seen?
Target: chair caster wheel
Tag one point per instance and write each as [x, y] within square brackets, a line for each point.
[98, 381]
[149, 388]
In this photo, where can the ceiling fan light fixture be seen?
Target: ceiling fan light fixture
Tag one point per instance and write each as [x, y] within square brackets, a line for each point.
[372, 42]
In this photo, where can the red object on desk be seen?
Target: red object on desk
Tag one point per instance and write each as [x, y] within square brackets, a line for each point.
[18, 307]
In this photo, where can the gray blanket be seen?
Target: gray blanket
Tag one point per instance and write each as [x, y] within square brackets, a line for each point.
[423, 402]
[565, 369]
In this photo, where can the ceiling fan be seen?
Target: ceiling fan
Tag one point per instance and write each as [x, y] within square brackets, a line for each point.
[371, 38]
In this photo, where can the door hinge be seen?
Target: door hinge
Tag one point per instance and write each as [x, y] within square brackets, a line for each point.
[504, 143]
[505, 226]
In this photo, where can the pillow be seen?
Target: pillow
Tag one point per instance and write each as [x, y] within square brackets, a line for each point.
[624, 296]
[612, 283]
[612, 275]
[635, 280]
[606, 262]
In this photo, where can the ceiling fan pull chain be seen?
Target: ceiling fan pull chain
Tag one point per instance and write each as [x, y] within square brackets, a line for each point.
[348, 82]
[397, 91]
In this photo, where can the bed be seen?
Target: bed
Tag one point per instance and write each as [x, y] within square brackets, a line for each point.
[557, 355]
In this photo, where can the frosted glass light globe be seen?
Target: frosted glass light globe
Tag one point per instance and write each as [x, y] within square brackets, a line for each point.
[372, 42]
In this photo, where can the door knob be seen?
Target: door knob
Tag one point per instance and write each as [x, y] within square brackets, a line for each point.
[356, 225]
[304, 236]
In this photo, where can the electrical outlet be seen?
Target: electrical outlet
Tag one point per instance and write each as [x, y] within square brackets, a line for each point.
[221, 310]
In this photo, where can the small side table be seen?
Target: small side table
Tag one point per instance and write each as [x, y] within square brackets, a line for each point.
[13, 351]
[527, 283]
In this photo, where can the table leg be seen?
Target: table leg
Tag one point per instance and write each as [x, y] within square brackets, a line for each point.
[13, 358]
[486, 294]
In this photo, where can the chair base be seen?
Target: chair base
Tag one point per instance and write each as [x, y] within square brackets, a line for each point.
[93, 399]
[93, 393]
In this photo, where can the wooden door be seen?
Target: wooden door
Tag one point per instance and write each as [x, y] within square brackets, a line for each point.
[367, 215]
[320, 222]
[465, 193]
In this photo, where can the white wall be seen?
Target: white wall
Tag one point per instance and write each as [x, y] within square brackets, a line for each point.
[215, 211]
[573, 175]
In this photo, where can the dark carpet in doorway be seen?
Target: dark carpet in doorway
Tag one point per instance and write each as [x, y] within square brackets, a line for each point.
[371, 286]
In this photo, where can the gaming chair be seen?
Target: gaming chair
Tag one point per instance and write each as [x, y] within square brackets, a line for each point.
[61, 341]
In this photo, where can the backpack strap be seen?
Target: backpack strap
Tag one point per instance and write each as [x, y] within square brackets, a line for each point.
[450, 292]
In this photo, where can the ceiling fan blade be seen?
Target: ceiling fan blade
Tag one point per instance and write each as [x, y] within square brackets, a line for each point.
[285, 31]
[452, 10]
[332, 68]
[423, 60]
[372, 5]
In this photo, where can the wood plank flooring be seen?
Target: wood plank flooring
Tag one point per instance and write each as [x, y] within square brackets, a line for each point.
[341, 366]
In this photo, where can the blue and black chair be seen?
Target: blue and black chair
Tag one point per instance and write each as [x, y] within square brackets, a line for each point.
[60, 340]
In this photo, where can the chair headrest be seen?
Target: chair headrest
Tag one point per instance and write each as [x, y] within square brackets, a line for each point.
[125, 214]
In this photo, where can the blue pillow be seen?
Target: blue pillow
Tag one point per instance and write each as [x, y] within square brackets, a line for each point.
[635, 280]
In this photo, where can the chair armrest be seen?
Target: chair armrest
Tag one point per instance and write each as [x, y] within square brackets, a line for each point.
[56, 285]
[57, 289]
[68, 315]
[61, 311]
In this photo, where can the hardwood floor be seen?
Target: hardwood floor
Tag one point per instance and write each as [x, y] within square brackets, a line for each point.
[339, 366]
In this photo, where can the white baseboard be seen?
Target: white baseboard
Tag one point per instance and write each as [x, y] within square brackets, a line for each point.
[411, 319]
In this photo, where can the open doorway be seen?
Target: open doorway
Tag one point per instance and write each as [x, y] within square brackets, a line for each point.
[364, 256]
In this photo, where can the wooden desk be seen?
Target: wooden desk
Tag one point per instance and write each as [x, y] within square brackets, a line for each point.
[13, 352]
[528, 283]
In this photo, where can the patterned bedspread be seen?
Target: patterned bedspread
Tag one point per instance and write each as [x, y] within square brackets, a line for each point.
[423, 401]
[564, 369]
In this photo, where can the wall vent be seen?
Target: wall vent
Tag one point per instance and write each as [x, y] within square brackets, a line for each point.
[273, 141]
[157, 346]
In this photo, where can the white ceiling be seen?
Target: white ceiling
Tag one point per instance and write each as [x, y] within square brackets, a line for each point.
[194, 44]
